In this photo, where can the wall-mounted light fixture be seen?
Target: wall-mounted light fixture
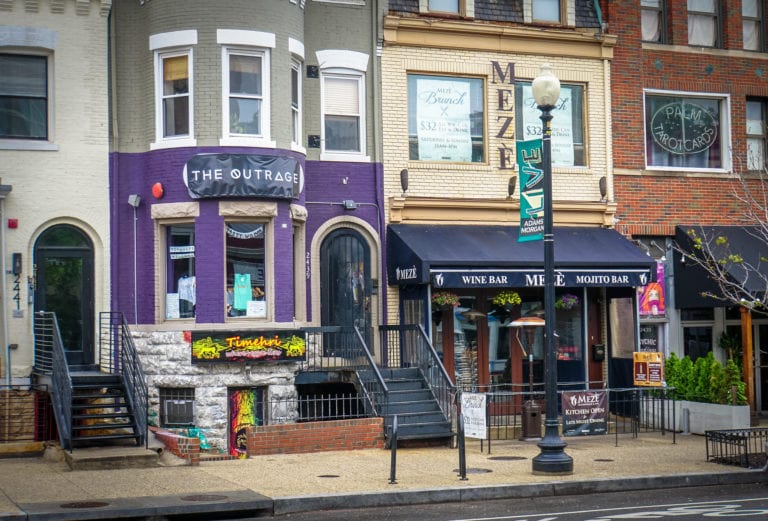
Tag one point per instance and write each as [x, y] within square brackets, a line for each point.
[134, 200]
[511, 186]
[603, 183]
[404, 180]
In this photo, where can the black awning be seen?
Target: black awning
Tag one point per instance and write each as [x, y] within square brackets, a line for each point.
[692, 280]
[491, 256]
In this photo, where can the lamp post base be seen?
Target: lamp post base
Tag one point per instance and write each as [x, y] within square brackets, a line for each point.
[552, 460]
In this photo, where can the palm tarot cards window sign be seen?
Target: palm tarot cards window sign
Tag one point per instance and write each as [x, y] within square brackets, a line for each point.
[243, 175]
[248, 346]
[585, 413]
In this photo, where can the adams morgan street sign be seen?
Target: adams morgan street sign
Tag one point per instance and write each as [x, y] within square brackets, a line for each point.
[243, 175]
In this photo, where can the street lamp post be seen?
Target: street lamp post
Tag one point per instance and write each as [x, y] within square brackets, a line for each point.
[552, 459]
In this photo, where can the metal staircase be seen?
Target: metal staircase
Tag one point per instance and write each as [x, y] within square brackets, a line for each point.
[418, 412]
[101, 411]
[100, 404]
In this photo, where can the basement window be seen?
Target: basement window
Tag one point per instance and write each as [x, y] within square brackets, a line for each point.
[177, 407]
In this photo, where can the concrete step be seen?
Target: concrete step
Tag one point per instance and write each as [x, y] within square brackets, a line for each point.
[105, 458]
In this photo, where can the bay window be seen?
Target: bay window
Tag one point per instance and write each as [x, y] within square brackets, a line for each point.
[446, 119]
[685, 131]
[568, 146]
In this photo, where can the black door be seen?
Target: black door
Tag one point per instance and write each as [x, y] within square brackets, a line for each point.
[64, 285]
[345, 281]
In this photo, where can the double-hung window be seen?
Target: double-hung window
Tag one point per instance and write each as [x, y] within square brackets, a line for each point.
[686, 131]
[704, 23]
[342, 95]
[245, 92]
[652, 21]
[756, 135]
[446, 119]
[295, 104]
[23, 97]
[752, 24]
[568, 134]
[246, 87]
[174, 92]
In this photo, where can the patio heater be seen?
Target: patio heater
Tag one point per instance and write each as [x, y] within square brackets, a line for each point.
[531, 416]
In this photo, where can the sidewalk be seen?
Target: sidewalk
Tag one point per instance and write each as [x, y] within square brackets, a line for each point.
[44, 488]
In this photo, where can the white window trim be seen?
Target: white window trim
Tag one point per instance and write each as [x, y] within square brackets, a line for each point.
[725, 130]
[229, 139]
[349, 64]
[173, 141]
[237, 41]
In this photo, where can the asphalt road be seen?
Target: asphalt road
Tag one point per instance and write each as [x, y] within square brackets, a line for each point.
[742, 502]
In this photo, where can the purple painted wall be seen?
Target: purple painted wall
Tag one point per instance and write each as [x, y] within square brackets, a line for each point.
[324, 191]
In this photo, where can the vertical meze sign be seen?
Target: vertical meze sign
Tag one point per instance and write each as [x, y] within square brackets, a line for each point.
[529, 158]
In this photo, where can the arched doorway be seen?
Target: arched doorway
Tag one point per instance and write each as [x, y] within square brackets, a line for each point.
[345, 281]
[63, 260]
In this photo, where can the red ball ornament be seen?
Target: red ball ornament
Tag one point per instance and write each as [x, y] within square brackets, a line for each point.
[157, 190]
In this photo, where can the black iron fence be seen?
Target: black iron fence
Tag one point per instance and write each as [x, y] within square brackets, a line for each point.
[742, 447]
[629, 411]
[313, 408]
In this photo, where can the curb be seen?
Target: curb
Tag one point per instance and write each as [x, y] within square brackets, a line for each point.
[291, 505]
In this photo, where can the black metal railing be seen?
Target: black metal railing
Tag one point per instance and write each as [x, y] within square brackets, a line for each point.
[408, 345]
[50, 348]
[314, 408]
[346, 348]
[742, 447]
[630, 411]
[117, 355]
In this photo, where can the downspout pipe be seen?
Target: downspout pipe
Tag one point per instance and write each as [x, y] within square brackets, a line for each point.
[4, 190]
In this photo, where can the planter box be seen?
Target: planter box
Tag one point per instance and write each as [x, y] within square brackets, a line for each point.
[704, 417]
[701, 416]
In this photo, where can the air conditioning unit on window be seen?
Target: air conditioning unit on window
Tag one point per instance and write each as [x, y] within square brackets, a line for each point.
[179, 412]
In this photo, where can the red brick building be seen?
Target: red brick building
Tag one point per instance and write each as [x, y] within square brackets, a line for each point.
[689, 110]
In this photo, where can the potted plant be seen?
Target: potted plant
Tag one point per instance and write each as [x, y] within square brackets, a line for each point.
[507, 300]
[566, 301]
[444, 300]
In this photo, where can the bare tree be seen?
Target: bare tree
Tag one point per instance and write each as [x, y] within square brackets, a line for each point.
[735, 257]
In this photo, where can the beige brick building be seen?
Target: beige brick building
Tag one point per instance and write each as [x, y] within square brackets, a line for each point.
[55, 163]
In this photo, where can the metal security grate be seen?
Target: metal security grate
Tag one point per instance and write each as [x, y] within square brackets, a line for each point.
[177, 407]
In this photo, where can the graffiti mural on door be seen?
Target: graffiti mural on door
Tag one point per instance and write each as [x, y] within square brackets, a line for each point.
[246, 409]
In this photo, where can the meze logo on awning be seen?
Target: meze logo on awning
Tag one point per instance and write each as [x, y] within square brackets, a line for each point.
[243, 175]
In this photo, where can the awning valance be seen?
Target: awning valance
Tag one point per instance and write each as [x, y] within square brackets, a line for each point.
[691, 280]
[459, 256]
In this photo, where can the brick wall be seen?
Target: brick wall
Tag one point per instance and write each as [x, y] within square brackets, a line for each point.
[182, 446]
[295, 438]
[653, 202]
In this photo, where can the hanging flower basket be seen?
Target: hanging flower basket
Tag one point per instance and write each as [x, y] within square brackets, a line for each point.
[507, 300]
[567, 301]
[445, 299]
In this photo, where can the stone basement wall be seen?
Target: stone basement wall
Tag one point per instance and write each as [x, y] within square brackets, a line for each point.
[296, 438]
[166, 359]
